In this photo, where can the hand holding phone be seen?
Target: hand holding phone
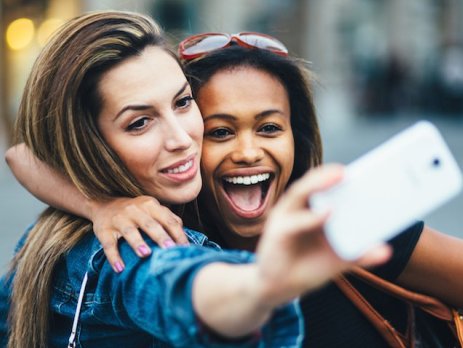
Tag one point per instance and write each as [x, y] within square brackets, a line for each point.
[388, 189]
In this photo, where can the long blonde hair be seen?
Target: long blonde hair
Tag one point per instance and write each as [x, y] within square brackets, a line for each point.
[58, 121]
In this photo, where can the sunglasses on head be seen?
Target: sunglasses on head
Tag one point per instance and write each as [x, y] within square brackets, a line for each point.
[199, 45]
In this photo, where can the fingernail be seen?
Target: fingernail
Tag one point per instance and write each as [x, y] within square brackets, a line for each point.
[143, 250]
[168, 243]
[119, 267]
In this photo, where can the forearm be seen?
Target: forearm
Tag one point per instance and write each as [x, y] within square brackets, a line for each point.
[228, 299]
[45, 183]
[190, 294]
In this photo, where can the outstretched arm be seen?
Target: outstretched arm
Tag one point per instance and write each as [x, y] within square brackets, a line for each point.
[293, 257]
[435, 267]
[120, 217]
[230, 293]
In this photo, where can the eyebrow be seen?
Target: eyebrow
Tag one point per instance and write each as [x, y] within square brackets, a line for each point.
[141, 107]
[258, 116]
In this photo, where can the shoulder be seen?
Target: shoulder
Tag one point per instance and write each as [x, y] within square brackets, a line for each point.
[403, 246]
[199, 238]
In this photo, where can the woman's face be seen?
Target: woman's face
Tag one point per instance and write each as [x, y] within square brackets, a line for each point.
[248, 148]
[150, 120]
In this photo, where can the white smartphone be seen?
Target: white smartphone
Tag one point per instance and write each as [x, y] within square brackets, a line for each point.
[388, 189]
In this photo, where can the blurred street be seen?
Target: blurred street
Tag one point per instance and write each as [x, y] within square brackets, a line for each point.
[345, 138]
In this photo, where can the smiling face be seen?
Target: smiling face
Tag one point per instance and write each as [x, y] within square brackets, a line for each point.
[148, 117]
[248, 149]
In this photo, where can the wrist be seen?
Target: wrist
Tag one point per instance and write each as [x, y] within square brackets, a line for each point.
[275, 289]
[228, 298]
[90, 208]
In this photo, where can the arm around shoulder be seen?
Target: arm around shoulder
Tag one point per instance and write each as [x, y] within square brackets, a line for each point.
[46, 184]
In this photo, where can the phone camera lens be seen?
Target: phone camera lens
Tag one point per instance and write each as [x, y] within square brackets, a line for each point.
[436, 162]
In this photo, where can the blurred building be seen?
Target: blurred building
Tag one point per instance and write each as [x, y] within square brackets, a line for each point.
[386, 56]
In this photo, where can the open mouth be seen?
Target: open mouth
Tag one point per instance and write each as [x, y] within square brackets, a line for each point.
[247, 193]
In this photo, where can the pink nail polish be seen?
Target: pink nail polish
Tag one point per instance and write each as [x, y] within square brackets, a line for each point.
[144, 251]
[168, 243]
[119, 267]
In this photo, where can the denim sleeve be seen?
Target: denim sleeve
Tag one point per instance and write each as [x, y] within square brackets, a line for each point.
[5, 290]
[154, 294]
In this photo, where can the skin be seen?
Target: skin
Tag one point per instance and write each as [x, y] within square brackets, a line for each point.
[247, 131]
[155, 128]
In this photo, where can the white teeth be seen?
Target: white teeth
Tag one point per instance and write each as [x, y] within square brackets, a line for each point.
[247, 180]
[181, 169]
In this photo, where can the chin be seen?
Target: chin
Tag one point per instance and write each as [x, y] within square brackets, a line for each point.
[182, 195]
[255, 230]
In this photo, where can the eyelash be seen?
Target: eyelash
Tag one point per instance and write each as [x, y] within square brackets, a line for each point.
[182, 103]
[186, 100]
[134, 126]
[215, 133]
[275, 128]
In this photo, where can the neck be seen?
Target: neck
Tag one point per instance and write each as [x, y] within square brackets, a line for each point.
[234, 241]
[227, 238]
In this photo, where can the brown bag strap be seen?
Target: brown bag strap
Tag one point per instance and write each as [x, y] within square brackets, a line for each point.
[458, 320]
[393, 338]
[426, 303]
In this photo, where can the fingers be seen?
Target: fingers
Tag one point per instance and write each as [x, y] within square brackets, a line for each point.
[304, 222]
[170, 222]
[158, 222]
[109, 242]
[127, 217]
[315, 180]
[127, 226]
[375, 256]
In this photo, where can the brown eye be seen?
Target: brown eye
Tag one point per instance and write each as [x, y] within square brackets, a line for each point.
[219, 133]
[270, 128]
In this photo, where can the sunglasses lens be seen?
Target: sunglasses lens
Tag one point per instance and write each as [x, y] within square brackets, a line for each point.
[263, 42]
[203, 44]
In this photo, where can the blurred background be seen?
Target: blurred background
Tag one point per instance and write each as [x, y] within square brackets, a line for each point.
[381, 65]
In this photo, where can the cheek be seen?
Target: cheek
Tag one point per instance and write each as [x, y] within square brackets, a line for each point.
[138, 163]
[208, 162]
[286, 156]
[132, 152]
[194, 125]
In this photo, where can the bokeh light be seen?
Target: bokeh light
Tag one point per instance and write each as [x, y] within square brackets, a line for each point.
[20, 33]
[46, 29]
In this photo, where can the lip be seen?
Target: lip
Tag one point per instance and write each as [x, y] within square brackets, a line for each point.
[245, 214]
[185, 176]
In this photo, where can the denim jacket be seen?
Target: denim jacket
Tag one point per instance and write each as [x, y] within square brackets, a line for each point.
[148, 304]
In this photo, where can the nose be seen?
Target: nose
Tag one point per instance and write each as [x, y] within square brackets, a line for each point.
[247, 151]
[176, 136]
